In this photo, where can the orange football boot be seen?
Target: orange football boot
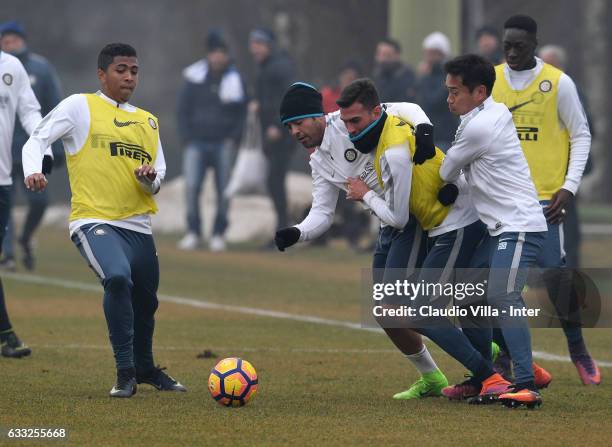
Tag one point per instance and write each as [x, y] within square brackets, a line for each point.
[492, 387]
[541, 377]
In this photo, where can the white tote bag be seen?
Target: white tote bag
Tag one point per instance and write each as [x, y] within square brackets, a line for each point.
[251, 168]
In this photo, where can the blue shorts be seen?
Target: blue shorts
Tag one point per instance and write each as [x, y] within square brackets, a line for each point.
[552, 254]
[112, 251]
[449, 256]
[455, 249]
[511, 256]
[402, 251]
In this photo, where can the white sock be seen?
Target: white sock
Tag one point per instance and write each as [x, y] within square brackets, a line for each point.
[423, 361]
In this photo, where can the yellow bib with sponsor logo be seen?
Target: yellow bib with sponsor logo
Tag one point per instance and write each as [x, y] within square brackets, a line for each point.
[426, 181]
[101, 173]
[534, 111]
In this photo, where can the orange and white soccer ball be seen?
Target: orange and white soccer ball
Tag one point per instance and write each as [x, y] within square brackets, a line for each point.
[232, 382]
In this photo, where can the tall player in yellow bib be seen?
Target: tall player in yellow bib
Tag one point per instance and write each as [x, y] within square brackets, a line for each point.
[115, 164]
[554, 134]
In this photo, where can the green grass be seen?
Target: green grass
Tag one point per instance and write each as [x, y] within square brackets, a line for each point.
[319, 385]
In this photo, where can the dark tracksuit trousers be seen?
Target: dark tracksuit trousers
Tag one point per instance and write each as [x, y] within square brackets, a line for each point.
[126, 263]
[5, 209]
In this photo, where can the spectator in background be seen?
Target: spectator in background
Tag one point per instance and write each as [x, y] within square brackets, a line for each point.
[489, 47]
[394, 80]
[275, 72]
[46, 87]
[350, 71]
[211, 115]
[431, 89]
[557, 57]
[554, 55]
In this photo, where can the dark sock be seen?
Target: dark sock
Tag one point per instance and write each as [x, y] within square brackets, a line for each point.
[577, 350]
[474, 381]
[127, 372]
[529, 385]
[480, 338]
[574, 336]
[483, 372]
[4, 335]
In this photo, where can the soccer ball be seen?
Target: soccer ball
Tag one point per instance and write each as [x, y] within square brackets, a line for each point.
[232, 382]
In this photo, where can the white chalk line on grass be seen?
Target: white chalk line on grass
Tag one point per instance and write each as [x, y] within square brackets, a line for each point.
[202, 304]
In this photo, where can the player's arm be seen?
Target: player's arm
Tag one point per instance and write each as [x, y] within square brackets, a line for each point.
[408, 111]
[59, 123]
[571, 113]
[424, 130]
[396, 170]
[150, 177]
[28, 108]
[319, 218]
[470, 144]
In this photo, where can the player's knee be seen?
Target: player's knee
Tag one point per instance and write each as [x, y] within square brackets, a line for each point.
[118, 283]
[151, 306]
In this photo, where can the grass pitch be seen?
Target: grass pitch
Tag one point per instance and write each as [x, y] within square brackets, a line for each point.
[319, 384]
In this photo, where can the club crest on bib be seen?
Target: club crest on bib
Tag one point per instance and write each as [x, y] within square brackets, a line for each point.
[7, 78]
[152, 123]
[350, 155]
[545, 86]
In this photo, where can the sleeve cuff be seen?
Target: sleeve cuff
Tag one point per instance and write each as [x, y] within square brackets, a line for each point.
[153, 187]
[302, 234]
[367, 198]
[571, 186]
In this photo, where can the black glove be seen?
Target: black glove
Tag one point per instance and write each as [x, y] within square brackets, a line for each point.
[425, 148]
[286, 237]
[47, 165]
[448, 194]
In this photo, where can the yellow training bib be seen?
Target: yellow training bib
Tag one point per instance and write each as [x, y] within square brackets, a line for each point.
[544, 142]
[101, 173]
[426, 181]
